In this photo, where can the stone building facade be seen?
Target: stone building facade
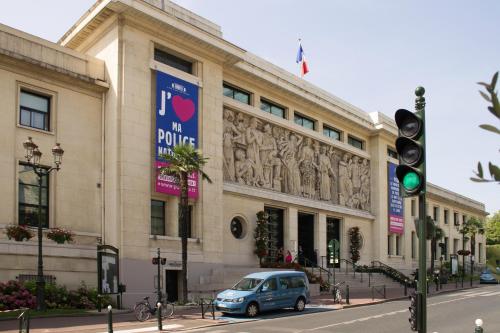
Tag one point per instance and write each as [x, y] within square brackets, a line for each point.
[275, 142]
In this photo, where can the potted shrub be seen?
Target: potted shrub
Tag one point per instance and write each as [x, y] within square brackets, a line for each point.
[18, 232]
[60, 236]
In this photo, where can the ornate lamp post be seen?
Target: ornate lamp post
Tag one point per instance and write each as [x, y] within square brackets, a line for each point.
[462, 231]
[33, 156]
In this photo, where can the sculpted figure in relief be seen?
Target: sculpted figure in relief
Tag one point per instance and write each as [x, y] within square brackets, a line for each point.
[254, 142]
[243, 168]
[334, 160]
[271, 164]
[345, 185]
[290, 161]
[325, 171]
[230, 135]
[365, 185]
[355, 174]
[308, 169]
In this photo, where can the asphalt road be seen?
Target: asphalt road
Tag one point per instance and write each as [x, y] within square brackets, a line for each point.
[447, 313]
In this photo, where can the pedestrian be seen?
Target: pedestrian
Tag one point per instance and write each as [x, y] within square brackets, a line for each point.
[300, 255]
[288, 258]
[279, 255]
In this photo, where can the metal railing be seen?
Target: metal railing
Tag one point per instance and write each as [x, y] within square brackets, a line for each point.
[380, 267]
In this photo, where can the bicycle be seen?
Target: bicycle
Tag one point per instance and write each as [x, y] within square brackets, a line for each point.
[143, 309]
[337, 294]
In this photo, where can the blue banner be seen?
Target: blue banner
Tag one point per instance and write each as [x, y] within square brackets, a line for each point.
[395, 202]
[176, 122]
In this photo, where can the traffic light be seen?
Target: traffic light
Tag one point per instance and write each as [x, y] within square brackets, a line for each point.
[413, 311]
[410, 146]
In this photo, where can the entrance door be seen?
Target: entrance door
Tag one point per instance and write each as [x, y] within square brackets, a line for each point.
[275, 232]
[333, 233]
[306, 235]
[171, 285]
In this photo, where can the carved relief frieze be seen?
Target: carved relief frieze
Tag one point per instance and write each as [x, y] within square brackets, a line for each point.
[260, 154]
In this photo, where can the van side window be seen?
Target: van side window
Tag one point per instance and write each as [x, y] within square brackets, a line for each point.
[284, 282]
[269, 285]
[297, 282]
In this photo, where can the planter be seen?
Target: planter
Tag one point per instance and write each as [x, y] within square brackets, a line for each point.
[60, 236]
[18, 233]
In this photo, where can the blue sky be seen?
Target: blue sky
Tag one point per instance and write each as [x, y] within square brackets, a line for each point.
[370, 53]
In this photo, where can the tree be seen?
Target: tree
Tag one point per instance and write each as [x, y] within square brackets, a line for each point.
[471, 228]
[437, 235]
[490, 96]
[355, 246]
[184, 161]
[261, 235]
[493, 229]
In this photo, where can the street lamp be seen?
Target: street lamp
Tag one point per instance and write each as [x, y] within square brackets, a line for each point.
[457, 226]
[33, 157]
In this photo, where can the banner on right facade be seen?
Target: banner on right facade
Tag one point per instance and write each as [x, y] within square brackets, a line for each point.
[395, 202]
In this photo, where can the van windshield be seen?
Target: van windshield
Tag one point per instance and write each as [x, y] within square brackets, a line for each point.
[247, 284]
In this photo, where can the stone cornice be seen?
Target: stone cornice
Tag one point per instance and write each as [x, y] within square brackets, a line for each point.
[455, 199]
[294, 200]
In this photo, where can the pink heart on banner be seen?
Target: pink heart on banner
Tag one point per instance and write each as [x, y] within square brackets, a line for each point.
[183, 108]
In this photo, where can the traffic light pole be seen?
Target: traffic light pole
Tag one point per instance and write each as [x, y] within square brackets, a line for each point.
[159, 278]
[422, 226]
[422, 268]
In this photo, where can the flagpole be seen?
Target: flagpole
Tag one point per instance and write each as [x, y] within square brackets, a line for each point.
[300, 64]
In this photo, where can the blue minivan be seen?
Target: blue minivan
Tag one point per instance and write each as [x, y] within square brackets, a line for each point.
[264, 291]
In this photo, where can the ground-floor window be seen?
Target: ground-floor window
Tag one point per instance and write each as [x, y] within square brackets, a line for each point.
[389, 244]
[413, 244]
[480, 250]
[398, 245]
[276, 217]
[30, 199]
[455, 245]
[157, 217]
[333, 237]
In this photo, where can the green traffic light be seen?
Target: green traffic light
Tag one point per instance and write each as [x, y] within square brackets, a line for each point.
[411, 181]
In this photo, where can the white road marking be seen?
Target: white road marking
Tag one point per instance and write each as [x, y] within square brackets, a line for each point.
[148, 329]
[492, 294]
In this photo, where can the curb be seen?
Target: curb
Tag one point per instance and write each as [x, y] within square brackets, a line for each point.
[75, 315]
[348, 306]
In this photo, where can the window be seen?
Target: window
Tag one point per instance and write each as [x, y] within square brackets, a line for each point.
[236, 94]
[435, 213]
[34, 110]
[357, 143]
[455, 245]
[269, 285]
[272, 108]
[189, 224]
[398, 245]
[456, 221]
[332, 133]
[464, 218]
[157, 217]
[413, 207]
[29, 200]
[297, 282]
[446, 216]
[413, 244]
[283, 282]
[392, 153]
[237, 228]
[173, 61]
[304, 121]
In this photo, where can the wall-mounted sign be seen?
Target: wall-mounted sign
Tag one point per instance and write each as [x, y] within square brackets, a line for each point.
[176, 122]
[107, 269]
[395, 202]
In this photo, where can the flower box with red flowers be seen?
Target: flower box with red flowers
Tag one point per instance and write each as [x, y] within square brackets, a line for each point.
[60, 236]
[18, 232]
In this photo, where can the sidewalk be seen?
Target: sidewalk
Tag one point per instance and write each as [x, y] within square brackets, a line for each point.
[190, 318]
[364, 296]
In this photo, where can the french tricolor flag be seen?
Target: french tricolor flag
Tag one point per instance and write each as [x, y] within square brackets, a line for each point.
[301, 60]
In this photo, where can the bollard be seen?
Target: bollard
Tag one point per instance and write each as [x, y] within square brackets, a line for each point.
[372, 294]
[479, 326]
[99, 305]
[158, 311]
[110, 319]
[456, 282]
[406, 287]
[384, 291]
[369, 278]
[347, 294]
[24, 322]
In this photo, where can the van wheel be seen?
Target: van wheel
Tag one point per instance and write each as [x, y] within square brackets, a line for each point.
[300, 305]
[252, 310]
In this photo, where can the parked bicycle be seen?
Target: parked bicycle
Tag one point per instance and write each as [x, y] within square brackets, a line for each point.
[143, 309]
[337, 293]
